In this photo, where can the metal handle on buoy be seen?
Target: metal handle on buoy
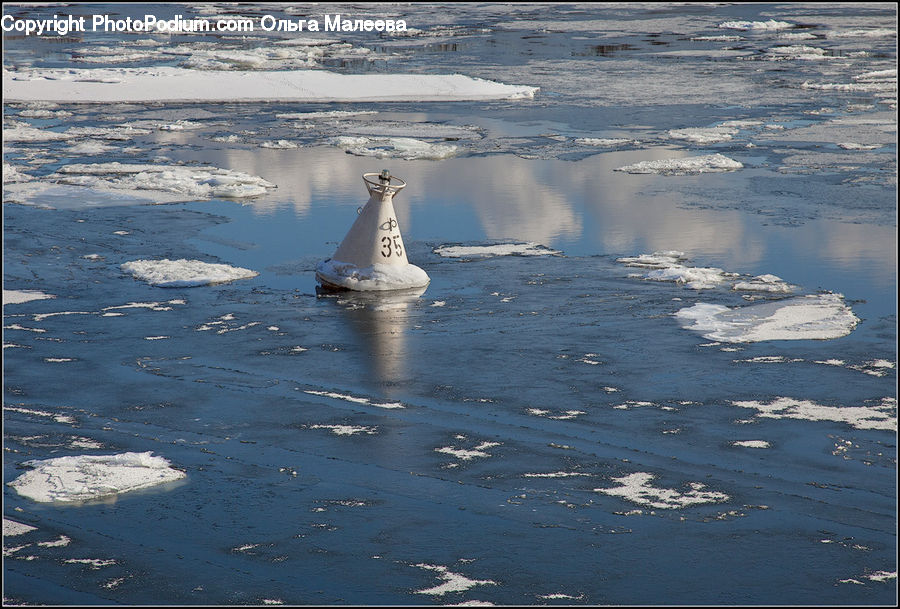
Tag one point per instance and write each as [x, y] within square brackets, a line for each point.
[385, 184]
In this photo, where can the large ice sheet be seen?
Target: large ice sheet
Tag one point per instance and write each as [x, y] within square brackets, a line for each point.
[88, 477]
[165, 84]
[822, 316]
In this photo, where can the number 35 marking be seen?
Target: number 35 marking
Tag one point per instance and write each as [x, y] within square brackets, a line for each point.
[391, 247]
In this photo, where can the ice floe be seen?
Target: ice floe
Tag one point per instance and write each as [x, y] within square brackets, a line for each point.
[882, 416]
[346, 430]
[770, 25]
[453, 582]
[12, 528]
[501, 249]
[21, 296]
[704, 135]
[354, 399]
[171, 182]
[636, 488]
[751, 443]
[821, 317]
[184, 273]
[467, 454]
[667, 266]
[88, 477]
[394, 147]
[160, 84]
[710, 163]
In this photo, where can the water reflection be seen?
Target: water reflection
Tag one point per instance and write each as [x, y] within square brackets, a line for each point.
[583, 207]
[381, 322]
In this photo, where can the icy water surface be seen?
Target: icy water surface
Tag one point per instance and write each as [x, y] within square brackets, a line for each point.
[656, 363]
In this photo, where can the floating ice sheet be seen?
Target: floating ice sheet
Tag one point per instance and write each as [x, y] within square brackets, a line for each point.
[500, 249]
[453, 582]
[822, 316]
[20, 296]
[185, 182]
[710, 163]
[178, 84]
[394, 147]
[88, 477]
[184, 273]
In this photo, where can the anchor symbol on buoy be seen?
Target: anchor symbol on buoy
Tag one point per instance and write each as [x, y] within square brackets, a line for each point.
[366, 260]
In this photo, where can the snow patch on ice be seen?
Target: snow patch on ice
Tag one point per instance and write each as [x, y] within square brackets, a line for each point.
[184, 273]
[704, 135]
[88, 477]
[820, 317]
[636, 488]
[378, 277]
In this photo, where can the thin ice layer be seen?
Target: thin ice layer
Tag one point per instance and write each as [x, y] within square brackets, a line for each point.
[822, 316]
[87, 477]
[377, 277]
[183, 273]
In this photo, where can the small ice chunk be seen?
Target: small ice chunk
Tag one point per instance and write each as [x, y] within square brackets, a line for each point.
[87, 477]
[881, 416]
[636, 488]
[12, 528]
[184, 273]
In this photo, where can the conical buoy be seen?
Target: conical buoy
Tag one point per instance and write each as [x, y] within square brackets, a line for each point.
[372, 256]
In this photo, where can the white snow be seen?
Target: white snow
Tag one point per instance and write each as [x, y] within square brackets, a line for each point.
[710, 163]
[667, 266]
[184, 273]
[20, 296]
[166, 84]
[502, 249]
[821, 317]
[882, 416]
[87, 477]
[378, 277]
[636, 487]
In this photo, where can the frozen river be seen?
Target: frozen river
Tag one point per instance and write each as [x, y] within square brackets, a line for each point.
[656, 362]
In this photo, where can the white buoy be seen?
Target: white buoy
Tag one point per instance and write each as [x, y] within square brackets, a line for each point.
[372, 256]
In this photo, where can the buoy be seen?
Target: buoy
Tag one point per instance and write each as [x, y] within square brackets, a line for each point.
[372, 256]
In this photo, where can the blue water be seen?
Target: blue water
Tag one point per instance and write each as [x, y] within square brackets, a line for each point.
[564, 363]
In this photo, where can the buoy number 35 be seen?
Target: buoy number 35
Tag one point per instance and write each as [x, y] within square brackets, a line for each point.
[391, 246]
